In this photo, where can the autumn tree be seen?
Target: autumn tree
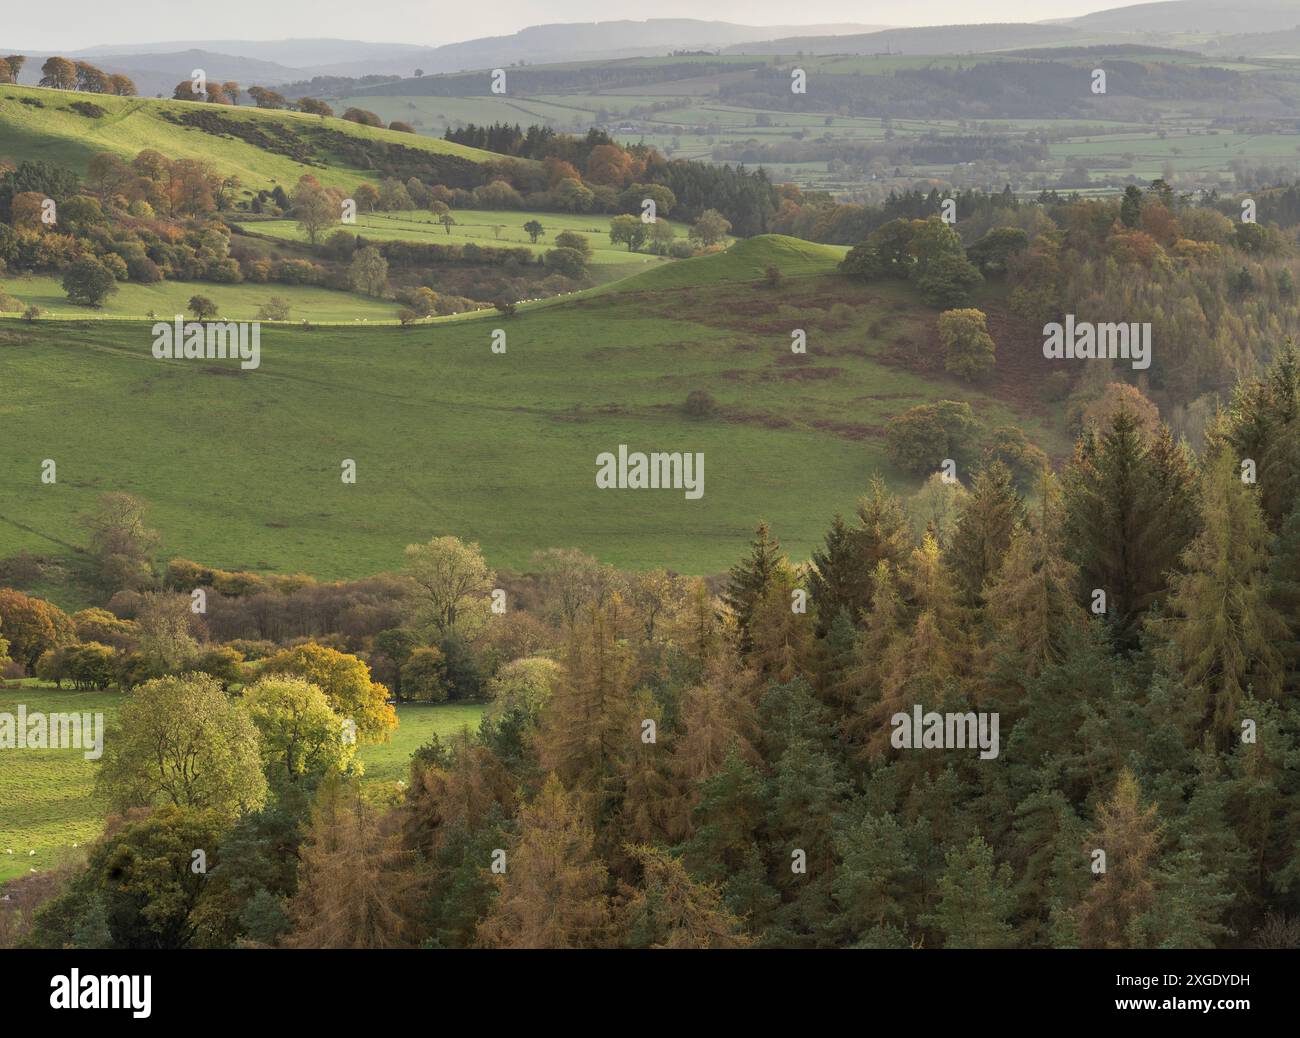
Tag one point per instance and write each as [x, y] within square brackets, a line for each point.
[667, 909]
[121, 544]
[32, 626]
[347, 685]
[589, 728]
[1225, 630]
[629, 231]
[301, 737]
[969, 350]
[180, 740]
[315, 208]
[1129, 834]
[710, 228]
[368, 273]
[357, 886]
[452, 584]
[552, 891]
[59, 74]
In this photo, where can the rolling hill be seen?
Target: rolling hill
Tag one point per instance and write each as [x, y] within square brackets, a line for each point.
[262, 148]
[241, 468]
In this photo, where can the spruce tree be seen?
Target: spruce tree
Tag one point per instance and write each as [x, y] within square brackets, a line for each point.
[750, 581]
[1127, 520]
[991, 514]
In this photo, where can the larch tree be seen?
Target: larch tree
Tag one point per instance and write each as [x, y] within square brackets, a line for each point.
[668, 909]
[552, 893]
[1129, 834]
[589, 723]
[1222, 624]
[357, 884]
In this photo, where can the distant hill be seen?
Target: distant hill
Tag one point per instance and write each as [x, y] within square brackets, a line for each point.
[578, 41]
[939, 39]
[1225, 16]
[1285, 42]
[159, 73]
[295, 53]
[158, 67]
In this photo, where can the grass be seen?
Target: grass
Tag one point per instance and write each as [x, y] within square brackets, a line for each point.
[56, 133]
[47, 801]
[480, 226]
[241, 469]
[166, 299]
[417, 722]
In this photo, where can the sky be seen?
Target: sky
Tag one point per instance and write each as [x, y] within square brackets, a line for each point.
[75, 24]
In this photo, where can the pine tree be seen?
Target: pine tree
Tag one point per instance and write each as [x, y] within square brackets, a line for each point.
[990, 516]
[1046, 838]
[975, 899]
[874, 881]
[807, 792]
[552, 893]
[723, 848]
[1222, 625]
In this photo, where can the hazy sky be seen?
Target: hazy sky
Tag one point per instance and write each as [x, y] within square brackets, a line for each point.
[73, 24]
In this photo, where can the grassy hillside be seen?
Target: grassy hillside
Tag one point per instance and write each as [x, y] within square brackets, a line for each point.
[235, 302]
[242, 469]
[481, 226]
[48, 795]
[36, 123]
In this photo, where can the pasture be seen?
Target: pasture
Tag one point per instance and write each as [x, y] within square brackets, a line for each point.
[242, 469]
[47, 801]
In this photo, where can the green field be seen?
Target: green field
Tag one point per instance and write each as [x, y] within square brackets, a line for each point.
[241, 469]
[57, 133]
[502, 228]
[47, 801]
[235, 302]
